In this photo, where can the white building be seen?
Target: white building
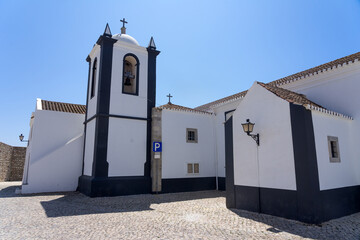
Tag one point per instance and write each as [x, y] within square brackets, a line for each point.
[306, 166]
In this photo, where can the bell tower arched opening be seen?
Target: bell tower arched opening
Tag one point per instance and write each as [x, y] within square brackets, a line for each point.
[130, 77]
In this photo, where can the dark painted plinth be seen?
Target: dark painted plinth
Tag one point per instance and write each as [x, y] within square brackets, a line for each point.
[247, 198]
[221, 184]
[340, 202]
[335, 203]
[188, 184]
[114, 186]
[277, 202]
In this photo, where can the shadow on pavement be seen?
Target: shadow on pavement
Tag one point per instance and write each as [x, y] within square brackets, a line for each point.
[9, 192]
[338, 229]
[75, 203]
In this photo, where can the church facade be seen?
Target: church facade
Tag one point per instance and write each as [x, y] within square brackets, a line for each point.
[305, 164]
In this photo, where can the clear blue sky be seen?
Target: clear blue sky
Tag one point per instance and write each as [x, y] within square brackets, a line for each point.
[209, 49]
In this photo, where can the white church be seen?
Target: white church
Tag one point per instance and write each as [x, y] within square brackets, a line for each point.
[288, 148]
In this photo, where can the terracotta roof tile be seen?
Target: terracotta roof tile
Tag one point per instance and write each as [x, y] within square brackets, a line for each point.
[300, 99]
[180, 108]
[294, 77]
[63, 107]
[320, 68]
[206, 107]
[289, 96]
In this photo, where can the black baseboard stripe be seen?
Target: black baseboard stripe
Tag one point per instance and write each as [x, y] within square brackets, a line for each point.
[277, 202]
[221, 183]
[114, 186]
[118, 186]
[172, 185]
[340, 202]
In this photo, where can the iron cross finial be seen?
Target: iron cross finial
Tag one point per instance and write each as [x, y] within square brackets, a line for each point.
[123, 21]
[169, 96]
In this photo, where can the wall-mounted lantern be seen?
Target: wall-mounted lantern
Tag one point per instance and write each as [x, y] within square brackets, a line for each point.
[21, 137]
[248, 128]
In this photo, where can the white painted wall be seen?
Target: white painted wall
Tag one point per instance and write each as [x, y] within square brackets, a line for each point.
[125, 104]
[56, 151]
[336, 90]
[126, 147]
[127, 138]
[28, 148]
[177, 152]
[336, 174]
[220, 133]
[89, 147]
[95, 53]
[271, 116]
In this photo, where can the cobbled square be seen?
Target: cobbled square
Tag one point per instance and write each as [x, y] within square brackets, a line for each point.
[191, 215]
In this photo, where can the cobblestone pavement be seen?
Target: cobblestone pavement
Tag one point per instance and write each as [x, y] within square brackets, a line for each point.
[198, 215]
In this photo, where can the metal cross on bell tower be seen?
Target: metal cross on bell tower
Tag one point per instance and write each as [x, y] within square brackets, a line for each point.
[169, 96]
[123, 29]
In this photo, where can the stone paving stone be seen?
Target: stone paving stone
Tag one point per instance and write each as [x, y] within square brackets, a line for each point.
[196, 215]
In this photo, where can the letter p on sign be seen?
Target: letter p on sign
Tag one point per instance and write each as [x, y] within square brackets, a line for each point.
[157, 147]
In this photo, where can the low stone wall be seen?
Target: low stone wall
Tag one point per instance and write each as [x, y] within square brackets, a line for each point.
[17, 163]
[5, 159]
[11, 162]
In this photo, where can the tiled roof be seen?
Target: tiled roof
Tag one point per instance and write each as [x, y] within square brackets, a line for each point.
[300, 99]
[171, 106]
[321, 68]
[63, 107]
[289, 96]
[206, 107]
[326, 111]
[294, 77]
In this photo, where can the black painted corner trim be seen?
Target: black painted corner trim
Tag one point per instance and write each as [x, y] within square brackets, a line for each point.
[100, 165]
[88, 59]
[104, 38]
[151, 98]
[229, 165]
[306, 170]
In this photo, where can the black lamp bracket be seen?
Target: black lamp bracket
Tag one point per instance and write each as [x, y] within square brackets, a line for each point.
[256, 137]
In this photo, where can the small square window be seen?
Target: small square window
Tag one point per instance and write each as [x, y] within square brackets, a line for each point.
[191, 135]
[334, 153]
[193, 168]
[190, 168]
[196, 168]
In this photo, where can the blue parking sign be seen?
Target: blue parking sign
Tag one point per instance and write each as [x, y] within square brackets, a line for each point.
[157, 146]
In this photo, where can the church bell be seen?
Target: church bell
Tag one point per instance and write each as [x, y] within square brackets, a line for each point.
[127, 82]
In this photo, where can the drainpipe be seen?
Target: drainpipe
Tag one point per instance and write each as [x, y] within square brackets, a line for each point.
[215, 151]
[258, 165]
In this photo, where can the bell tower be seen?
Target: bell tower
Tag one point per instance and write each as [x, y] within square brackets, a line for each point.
[120, 96]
